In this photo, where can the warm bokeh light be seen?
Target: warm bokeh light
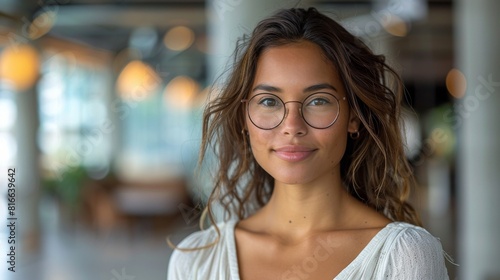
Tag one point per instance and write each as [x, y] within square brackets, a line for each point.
[396, 26]
[181, 92]
[19, 65]
[137, 81]
[456, 83]
[179, 38]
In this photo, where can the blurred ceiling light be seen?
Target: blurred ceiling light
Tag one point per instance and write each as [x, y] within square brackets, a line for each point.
[181, 92]
[19, 65]
[179, 38]
[396, 26]
[41, 24]
[137, 81]
[456, 83]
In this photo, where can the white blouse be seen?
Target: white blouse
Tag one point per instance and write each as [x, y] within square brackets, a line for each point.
[398, 251]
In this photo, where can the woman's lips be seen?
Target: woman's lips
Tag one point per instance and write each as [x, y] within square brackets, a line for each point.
[293, 153]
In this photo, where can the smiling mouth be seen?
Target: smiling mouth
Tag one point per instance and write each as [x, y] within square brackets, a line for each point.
[294, 154]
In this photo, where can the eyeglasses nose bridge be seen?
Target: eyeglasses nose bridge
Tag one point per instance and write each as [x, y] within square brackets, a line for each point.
[286, 110]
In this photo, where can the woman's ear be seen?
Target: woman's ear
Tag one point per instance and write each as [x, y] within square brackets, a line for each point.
[353, 125]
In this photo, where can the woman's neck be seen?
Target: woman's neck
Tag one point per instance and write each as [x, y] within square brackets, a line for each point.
[297, 211]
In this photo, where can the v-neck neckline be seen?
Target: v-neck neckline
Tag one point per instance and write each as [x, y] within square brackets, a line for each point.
[233, 258]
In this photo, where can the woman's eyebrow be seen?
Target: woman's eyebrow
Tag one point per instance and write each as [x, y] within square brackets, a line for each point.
[265, 87]
[320, 87]
[316, 87]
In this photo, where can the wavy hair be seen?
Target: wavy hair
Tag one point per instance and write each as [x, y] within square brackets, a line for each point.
[374, 168]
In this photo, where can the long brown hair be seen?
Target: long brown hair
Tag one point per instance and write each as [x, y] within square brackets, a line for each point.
[374, 168]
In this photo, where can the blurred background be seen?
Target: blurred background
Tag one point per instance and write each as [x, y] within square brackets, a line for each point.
[100, 115]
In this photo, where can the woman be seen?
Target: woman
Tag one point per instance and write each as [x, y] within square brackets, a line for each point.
[311, 162]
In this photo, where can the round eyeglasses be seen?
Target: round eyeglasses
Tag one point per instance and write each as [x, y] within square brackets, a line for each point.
[267, 111]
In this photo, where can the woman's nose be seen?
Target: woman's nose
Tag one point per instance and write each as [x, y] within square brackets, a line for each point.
[293, 123]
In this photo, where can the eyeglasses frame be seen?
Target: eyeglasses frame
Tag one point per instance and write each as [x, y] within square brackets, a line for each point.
[246, 101]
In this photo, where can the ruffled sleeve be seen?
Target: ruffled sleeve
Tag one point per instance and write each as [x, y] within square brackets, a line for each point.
[414, 254]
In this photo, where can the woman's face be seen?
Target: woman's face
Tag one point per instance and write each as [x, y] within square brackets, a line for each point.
[294, 152]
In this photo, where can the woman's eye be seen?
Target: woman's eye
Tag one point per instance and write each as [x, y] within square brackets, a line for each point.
[269, 102]
[318, 102]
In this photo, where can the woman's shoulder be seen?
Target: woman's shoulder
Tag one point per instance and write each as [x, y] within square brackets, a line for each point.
[411, 251]
[410, 235]
[407, 239]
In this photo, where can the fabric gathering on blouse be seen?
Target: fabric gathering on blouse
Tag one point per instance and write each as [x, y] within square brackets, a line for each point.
[398, 251]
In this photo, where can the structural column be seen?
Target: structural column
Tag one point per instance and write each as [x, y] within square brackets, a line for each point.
[27, 172]
[477, 120]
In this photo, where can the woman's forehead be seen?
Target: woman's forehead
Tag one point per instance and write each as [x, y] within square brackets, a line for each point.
[298, 65]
